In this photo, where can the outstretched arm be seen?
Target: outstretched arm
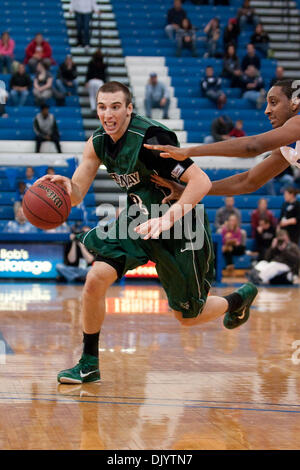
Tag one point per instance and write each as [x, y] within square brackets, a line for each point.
[251, 180]
[242, 147]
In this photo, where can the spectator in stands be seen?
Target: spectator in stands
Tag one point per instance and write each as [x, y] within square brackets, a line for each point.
[231, 33]
[279, 75]
[3, 99]
[233, 240]
[20, 84]
[95, 77]
[20, 224]
[260, 40]
[220, 129]
[157, 95]
[263, 235]
[42, 84]
[30, 177]
[261, 212]
[78, 259]
[238, 130]
[223, 213]
[83, 10]
[7, 46]
[246, 15]
[19, 195]
[253, 87]
[174, 19]
[232, 67]
[211, 88]
[66, 77]
[251, 58]
[186, 38]
[212, 31]
[38, 51]
[50, 170]
[290, 214]
[281, 264]
[45, 128]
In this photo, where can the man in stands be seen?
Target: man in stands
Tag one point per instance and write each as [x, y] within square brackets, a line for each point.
[45, 128]
[211, 88]
[38, 50]
[174, 19]
[156, 96]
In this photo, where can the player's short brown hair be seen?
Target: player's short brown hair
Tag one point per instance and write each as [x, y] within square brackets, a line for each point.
[113, 87]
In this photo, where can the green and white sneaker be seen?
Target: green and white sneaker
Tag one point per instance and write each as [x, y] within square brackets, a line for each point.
[248, 292]
[87, 370]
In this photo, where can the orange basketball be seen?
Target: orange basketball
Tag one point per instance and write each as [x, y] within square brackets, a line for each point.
[46, 205]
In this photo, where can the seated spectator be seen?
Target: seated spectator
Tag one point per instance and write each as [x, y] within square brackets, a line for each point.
[211, 88]
[45, 128]
[19, 195]
[231, 67]
[7, 46]
[42, 84]
[3, 100]
[261, 212]
[260, 40]
[30, 177]
[246, 15]
[251, 58]
[174, 19]
[212, 31]
[78, 259]
[20, 84]
[289, 219]
[95, 77]
[253, 87]
[281, 264]
[223, 213]
[220, 129]
[279, 75]
[63, 228]
[237, 131]
[50, 170]
[20, 224]
[38, 51]
[66, 77]
[233, 240]
[264, 233]
[231, 33]
[186, 38]
[157, 95]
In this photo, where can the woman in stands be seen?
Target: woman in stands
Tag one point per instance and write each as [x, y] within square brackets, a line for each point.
[7, 46]
[283, 107]
[42, 84]
[233, 241]
[186, 38]
[232, 67]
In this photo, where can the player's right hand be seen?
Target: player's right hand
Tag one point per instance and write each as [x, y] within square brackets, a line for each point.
[57, 179]
[169, 151]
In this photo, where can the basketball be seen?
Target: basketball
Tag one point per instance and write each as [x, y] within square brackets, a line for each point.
[46, 205]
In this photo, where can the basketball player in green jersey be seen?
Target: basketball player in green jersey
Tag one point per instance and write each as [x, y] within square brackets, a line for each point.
[283, 107]
[185, 271]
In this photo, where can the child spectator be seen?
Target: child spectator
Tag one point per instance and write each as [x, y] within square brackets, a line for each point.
[7, 46]
[237, 131]
[211, 88]
[20, 84]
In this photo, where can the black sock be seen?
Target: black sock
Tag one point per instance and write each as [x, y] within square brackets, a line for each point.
[91, 344]
[234, 301]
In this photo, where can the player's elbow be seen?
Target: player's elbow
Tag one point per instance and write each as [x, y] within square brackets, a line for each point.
[254, 146]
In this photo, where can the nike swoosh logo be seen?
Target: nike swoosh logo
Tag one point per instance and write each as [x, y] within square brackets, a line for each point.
[82, 375]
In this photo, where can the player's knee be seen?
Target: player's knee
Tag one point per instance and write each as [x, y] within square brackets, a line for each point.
[183, 321]
[95, 284]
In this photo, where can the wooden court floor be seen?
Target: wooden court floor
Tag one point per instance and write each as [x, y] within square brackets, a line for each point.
[163, 386]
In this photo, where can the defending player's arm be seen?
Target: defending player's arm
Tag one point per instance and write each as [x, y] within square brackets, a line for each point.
[253, 179]
[242, 147]
[84, 175]
[197, 186]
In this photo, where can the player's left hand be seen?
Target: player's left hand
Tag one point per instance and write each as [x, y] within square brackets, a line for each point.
[292, 155]
[153, 227]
